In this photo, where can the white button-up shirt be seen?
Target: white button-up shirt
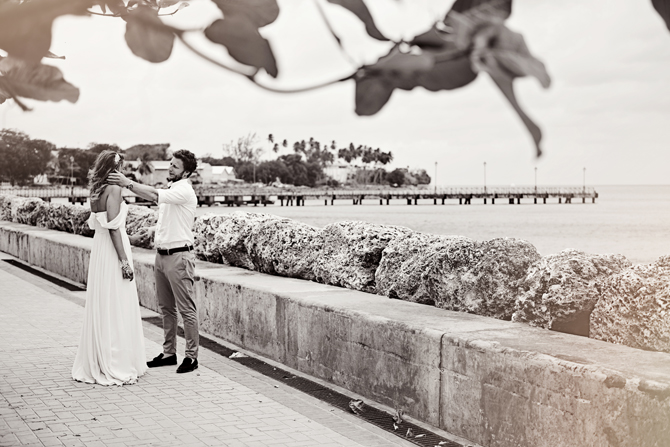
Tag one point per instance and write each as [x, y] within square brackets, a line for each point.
[176, 214]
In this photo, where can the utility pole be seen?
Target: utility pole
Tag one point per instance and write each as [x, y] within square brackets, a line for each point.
[584, 180]
[435, 179]
[71, 171]
[535, 179]
[484, 177]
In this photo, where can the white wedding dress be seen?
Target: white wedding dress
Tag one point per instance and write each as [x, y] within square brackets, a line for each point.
[111, 350]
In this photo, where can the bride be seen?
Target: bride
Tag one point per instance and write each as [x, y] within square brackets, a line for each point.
[111, 350]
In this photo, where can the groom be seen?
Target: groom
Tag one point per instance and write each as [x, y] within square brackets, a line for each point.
[175, 263]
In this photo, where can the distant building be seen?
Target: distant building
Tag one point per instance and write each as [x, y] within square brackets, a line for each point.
[340, 171]
[222, 174]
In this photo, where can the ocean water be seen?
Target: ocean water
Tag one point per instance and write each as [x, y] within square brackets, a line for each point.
[630, 220]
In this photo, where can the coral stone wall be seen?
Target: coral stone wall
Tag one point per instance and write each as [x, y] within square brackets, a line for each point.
[601, 296]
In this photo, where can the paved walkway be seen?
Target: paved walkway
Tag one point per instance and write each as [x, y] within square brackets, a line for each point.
[221, 404]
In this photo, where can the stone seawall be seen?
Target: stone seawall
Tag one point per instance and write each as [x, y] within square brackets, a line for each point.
[598, 296]
[497, 383]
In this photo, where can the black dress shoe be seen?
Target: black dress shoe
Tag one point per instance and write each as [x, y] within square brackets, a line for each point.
[187, 365]
[161, 360]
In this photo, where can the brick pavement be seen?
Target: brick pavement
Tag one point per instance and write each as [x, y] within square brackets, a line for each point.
[220, 404]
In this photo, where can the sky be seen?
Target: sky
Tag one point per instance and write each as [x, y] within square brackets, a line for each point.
[604, 118]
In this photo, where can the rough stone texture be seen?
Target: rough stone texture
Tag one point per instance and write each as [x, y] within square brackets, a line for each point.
[284, 247]
[501, 397]
[10, 206]
[561, 290]
[204, 231]
[456, 273]
[634, 308]
[408, 264]
[79, 217]
[141, 226]
[36, 212]
[231, 237]
[352, 251]
[27, 210]
[6, 207]
[493, 382]
[65, 217]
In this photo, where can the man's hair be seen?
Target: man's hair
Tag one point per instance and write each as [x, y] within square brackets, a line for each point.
[188, 158]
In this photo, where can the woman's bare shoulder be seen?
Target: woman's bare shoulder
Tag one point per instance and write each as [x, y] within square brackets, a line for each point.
[113, 189]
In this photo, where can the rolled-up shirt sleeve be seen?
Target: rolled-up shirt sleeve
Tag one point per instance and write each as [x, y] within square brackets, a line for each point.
[179, 194]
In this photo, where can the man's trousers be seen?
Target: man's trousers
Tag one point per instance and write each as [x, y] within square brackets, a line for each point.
[175, 291]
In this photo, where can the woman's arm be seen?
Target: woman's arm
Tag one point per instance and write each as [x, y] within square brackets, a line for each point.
[113, 208]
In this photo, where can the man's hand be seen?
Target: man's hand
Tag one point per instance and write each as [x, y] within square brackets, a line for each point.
[116, 178]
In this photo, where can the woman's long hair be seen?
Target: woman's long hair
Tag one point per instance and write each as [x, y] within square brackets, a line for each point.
[106, 162]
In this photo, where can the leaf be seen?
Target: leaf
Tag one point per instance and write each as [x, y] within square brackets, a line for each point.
[4, 96]
[243, 41]
[330, 28]
[102, 5]
[401, 70]
[452, 67]
[53, 56]
[146, 36]
[503, 80]
[501, 7]
[361, 11]
[448, 74]
[260, 12]
[356, 406]
[409, 433]
[478, 27]
[522, 65]
[398, 416]
[663, 9]
[237, 355]
[462, 29]
[375, 83]
[25, 29]
[510, 49]
[431, 39]
[403, 64]
[371, 95]
[117, 6]
[35, 81]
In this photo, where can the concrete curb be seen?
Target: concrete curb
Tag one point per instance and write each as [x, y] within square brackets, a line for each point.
[494, 382]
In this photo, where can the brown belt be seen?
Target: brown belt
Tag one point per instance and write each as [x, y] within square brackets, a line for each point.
[170, 251]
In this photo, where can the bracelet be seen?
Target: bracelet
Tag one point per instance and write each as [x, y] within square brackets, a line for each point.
[126, 270]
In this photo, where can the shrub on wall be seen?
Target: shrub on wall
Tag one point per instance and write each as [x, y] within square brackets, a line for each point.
[491, 278]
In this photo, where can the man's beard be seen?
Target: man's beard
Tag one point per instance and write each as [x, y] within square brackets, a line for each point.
[173, 178]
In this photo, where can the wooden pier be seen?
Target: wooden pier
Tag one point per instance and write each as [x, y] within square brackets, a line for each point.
[241, 195]
[465, 196]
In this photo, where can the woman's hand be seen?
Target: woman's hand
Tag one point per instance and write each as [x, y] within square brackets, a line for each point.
[127, 271]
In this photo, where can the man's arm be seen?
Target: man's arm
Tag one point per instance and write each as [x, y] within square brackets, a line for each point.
[144, 191]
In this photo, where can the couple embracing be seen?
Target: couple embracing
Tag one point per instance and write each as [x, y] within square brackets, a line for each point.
[111, 350]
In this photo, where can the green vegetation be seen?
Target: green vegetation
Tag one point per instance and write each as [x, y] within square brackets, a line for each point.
[303, 163]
